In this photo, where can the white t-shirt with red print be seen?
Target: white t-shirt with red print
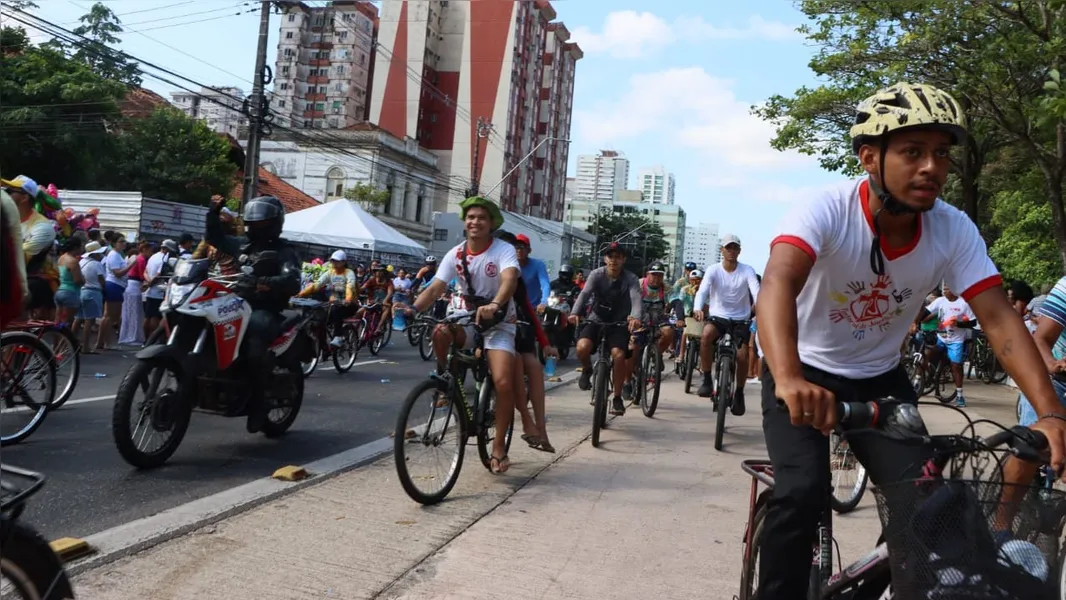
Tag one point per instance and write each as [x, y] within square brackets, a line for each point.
[948, 314]
[851, 321]
[485, 270]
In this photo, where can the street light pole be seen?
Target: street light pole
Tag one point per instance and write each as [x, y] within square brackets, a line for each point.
[524, 159]
[257, 108]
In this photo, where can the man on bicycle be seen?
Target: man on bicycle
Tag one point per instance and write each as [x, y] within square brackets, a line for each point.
[341, 284]
[842, 286]
[617, 293]
[487, 274]
[732, 287]
[378, 289]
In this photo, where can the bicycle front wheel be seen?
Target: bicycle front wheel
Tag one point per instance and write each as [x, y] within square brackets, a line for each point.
[600, 375]
[653, 379]
[431, 430]
[28, 367]
[723, 397]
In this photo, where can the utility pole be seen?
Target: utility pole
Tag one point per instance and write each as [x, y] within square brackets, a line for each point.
[484, 128]
[256, 107]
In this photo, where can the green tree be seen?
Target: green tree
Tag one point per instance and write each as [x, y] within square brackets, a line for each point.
[102, 27]
[170, 156]
[369, 197]
[641, 237]
[55, 114]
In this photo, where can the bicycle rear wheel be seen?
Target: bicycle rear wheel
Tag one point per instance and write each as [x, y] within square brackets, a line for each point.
[26, 365]
[486, 424]
[692, 356]
[749, 574]
[67, 353]
[600, 374]
[723, 391]
[344, 357]
[443, 430]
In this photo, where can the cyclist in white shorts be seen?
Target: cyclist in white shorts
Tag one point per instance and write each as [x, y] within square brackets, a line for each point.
[487, 273]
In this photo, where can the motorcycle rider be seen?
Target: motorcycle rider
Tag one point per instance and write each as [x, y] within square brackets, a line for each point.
[567, 288]
[268, 291]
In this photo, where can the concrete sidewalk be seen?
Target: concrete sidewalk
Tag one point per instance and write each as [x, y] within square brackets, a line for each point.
[653, 512]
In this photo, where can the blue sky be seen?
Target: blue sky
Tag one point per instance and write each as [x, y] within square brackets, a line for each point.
[667, 82]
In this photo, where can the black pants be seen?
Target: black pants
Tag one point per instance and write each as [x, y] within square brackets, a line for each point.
[264, 326]
[800, 458]
[338, 313]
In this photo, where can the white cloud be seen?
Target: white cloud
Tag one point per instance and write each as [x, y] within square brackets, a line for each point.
[629, 34]
[689, 108]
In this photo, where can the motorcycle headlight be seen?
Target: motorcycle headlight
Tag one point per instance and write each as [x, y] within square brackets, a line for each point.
[177, 293]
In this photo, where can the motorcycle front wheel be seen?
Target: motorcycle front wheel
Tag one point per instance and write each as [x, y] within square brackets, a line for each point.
[162, 411]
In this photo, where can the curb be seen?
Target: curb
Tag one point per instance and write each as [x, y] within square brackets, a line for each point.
[136, 536]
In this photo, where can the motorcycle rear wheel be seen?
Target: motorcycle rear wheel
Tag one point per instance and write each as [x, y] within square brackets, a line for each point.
[140, 377]
[277, 427]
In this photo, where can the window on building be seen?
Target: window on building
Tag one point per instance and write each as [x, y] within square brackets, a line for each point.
[307, 122]
[440, 235]
[322, 89]
[281, 104]
[286, 70]
[288, 35]
[387, 207]
[292, 18]
[343, 35]
[284, 86]
[336, 104]
[334, 183]
[320, 106]
[419, 202]
[287, 52]
[362, 59]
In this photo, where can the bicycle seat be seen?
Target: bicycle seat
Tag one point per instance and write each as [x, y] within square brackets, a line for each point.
[290, 318]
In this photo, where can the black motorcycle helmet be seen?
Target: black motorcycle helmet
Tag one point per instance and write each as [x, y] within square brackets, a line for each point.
[264, 218]
[690, 266]
[566, 273]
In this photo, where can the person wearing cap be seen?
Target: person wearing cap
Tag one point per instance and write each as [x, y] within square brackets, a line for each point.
[92, 295]
[725, 302]
[156, 276]
[488, 272]
[341, 284]
[534, 274]
[618, 299]
[653, 295]
[38, 238]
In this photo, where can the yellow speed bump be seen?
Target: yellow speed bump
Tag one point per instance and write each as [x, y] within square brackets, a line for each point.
[68, 548]
[290, 473]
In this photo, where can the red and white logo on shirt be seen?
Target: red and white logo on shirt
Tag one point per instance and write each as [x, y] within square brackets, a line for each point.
[865, 305]
[491, 269]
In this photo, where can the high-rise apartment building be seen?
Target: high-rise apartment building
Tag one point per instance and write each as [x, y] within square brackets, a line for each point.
[324, 66]
[443, 66]
[701, 245]
[219, 108]
[600, 177]
[657, 184]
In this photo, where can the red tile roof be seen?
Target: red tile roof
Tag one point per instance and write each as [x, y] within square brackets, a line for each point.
[270, 184]
[140, 103]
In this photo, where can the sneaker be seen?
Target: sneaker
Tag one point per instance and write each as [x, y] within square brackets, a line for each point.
[618, 407]
[584, 383]
[707, 388]
[960, 402]
[738, 403]
[337, 341]
[627, 390]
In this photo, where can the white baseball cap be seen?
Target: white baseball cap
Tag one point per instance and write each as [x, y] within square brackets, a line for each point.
[729, 238]
[339, 255]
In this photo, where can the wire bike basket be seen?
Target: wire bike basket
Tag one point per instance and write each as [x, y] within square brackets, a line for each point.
[961, 539]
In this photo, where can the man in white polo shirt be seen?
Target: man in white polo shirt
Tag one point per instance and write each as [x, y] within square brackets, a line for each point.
[847, 274]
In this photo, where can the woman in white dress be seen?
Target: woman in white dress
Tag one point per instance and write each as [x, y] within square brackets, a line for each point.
[132, 331]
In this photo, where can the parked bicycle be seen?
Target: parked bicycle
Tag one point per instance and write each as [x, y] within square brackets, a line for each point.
[450, 413]
[957, 531]
[27, 385]
[29, 569]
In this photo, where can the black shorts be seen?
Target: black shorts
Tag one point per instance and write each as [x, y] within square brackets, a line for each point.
[617, 337]
[151, 308]
[525, 341]
[41, 294]
[741, 330]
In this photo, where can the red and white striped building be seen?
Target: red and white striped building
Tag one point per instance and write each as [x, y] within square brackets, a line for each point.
[441, 65]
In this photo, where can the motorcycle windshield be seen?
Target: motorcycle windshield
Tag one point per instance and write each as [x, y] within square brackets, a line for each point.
[190, 270]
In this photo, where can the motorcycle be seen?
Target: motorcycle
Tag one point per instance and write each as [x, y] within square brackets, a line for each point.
[554, 322]
[201, 364]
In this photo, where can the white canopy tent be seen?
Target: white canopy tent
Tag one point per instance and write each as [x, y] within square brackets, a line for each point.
[344, 224]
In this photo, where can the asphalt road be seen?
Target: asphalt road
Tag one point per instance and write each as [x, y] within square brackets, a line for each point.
[90, 488]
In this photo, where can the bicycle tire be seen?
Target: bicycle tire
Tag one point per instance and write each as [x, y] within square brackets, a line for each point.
[414, 334]
[653, 363]
[486, 418]
[399, 450]
[600, 373]
[23, 338]
[75, 361]
[692, 354]
[749, 584]
[308, 367]
[425, 344]
[723, 396]
[994, 372]
[30, 564]
[351, 333]
[843, 506]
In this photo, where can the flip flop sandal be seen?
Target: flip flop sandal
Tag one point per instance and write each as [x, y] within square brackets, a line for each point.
[496, 464]
[532, 440]
[544, 446]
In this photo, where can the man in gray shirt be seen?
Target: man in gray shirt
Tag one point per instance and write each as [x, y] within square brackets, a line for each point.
[617, 298]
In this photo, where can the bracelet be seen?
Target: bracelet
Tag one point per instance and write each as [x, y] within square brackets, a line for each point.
[1052, 416]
